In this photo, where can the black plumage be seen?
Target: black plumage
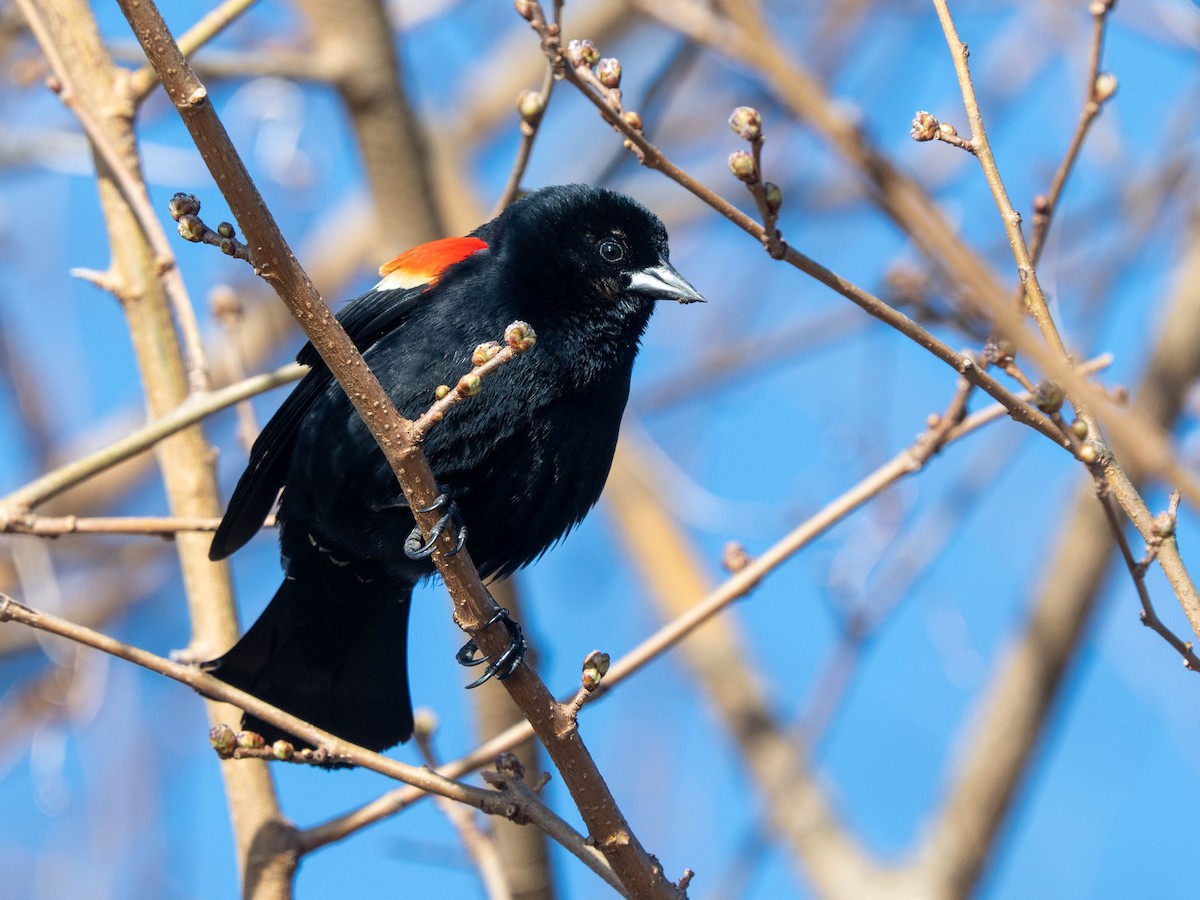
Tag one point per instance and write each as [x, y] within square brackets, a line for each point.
[524, 461]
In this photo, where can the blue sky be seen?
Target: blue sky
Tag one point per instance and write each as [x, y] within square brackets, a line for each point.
[122, 796]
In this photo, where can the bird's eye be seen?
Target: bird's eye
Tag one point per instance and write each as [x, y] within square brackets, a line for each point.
[611, 250]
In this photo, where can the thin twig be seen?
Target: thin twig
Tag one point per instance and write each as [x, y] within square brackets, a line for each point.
[1137, 571]
[1133, 432]
[478, 843]
[158, 526]
[735, 587]
[208, 686]
[519, 337]
[982, 150]
[652, 157]
[144, 80]
[274, 260]
[134, 192]
[1097, 93]
[192, 410]
[532, 107]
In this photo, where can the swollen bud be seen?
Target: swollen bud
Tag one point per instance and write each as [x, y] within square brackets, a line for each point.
[225, 230]
[1163, 525]
[510, 766]
[746, 121]
[595, 667]
[1080, 428]
[632, 119]
[520, 336]
[999, 352]
[608, 70]
[441, 391]
[250, 740]
[222, 739]
[773, 195]
[741, 164]
[183, 205]
[924, 126]
[1104, 86]
[484, 352]
[531, 105]
[470, 385]
[524, 9]
[1048, 397]
[191, 228]
[283, 750]
[582, 53]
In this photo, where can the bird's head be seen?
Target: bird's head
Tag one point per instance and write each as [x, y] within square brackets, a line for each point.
[589, 250]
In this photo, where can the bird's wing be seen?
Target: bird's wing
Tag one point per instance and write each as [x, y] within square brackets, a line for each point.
[378, 312]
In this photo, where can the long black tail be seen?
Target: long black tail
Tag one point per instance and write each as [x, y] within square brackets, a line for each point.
[332, 654]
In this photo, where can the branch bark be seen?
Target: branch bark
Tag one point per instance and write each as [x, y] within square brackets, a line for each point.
[275, 262]
[264, 840]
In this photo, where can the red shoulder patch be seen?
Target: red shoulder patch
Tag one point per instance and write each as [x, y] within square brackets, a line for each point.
[424, 264]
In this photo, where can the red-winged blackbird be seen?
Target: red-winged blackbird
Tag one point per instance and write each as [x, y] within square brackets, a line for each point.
[523, 462]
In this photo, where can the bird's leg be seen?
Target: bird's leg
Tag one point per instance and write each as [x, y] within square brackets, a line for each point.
[506, 661]
[416, 547]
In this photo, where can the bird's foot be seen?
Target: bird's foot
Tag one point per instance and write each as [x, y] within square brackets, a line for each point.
[506, 661]
[417, 547]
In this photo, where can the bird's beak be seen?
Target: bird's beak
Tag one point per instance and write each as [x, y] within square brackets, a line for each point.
[662, 282]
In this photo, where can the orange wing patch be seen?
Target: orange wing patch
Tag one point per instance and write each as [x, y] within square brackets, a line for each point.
[423, 265]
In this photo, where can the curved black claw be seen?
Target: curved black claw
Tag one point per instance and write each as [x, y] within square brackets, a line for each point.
[505, 662]
[416, 547]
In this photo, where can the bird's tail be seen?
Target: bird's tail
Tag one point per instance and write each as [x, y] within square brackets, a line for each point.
[336, 658]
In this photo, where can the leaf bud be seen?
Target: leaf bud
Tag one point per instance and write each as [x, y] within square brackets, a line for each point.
[924, 126]
[531, 105]
[746, 121]
[191, 228]
[222, 739]
[250, 740]
[183, 205]
[741, 164]
[1104, 86]
[484, 352]
[773, 195]
[608, 70]
[1048, 397]
[520, 336]
[1163, 524]
[582, 53]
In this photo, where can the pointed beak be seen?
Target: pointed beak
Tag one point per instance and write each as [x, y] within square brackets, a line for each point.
[662, 282]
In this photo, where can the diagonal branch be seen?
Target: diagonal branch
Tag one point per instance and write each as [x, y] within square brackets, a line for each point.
[274, 260]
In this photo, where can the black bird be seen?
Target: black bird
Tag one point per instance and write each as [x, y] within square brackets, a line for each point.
[523, 462]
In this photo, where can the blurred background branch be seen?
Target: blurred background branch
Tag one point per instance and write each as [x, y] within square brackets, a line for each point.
[920, 702]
